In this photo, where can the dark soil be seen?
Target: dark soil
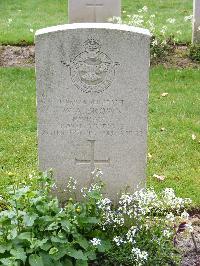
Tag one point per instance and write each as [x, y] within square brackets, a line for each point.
[191, 256]
[17, 56]
[24, 56]
[177, 58]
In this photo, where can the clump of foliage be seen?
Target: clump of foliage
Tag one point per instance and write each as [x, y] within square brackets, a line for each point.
[194, 52]
[139, 230]
[162, 39]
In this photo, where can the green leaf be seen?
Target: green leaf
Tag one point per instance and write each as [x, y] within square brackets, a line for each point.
[81, 263]
[36, 260]
[82, 242]
[9, 262]
[89, 220]
[67, 262]
[29, 219]
[58, 239]
[46, 246]
[105, 245]
[77, 254]
[25, 236]
[66, 225]
[53, 226]
[47, 261]
[62, 251]
[91, 255]
[12, 234]
[53, 251]
[3, 248]
[19, 254]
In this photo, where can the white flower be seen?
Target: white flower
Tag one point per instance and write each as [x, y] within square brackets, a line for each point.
[97, 172]
[171, 20]
[189, 227]
[186, 18]
[170, 217]
[140, 255]
[118, 240]
[145, 8]
[185, 215]
[167, 233]
[193, 137]
[95, 241]
[31, 30]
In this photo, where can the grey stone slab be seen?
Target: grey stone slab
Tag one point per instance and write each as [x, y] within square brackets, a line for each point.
[93, 10]
[92, 95]
[196, 22]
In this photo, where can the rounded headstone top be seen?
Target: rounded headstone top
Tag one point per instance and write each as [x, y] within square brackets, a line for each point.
[109, 26]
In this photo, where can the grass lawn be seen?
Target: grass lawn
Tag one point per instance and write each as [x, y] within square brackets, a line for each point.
[174, 153]
[19, 18]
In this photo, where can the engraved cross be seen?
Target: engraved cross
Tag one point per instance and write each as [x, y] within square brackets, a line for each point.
[92, 160]
[94, 5]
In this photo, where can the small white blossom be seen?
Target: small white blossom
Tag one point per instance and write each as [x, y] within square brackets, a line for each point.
[189, 227]
[171, 20]
[140, 255]
[95, 241]
[170, 217]
[185, 215]
[118, 240]
[167, 233]
[186, 18]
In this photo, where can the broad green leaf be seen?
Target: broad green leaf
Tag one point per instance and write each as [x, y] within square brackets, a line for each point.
[67, 262]
[62, 251]
[105, 245]
[77, 254]
[89, 220]
[46, 246]
[9, 262]
[19, 254]
[12, 234]
[29, 219]
[91, 255]
[58, 239]
[82, 242]
[53, 226]
[66, 225]
[25, 236]
[36, 260]
[3, 248]
[53, 250]
[81, 263]
[47, 261]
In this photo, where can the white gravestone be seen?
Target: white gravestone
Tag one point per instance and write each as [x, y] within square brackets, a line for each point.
[93, 10]
[196, 21]
[92, 94]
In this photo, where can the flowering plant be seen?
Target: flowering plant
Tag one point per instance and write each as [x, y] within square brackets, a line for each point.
[162, 38]
[138, 230]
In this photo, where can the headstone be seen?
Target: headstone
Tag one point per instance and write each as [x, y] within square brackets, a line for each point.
[196, 21]
[93, 10]
[92, 94]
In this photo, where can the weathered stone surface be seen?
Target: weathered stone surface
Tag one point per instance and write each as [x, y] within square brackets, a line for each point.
[93, 10]
[196, 22]
[92, 94]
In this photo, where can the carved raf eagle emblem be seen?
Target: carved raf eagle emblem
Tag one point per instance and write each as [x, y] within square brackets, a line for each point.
[92, 70]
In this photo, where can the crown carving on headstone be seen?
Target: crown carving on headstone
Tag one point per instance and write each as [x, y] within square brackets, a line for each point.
[92, 44]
